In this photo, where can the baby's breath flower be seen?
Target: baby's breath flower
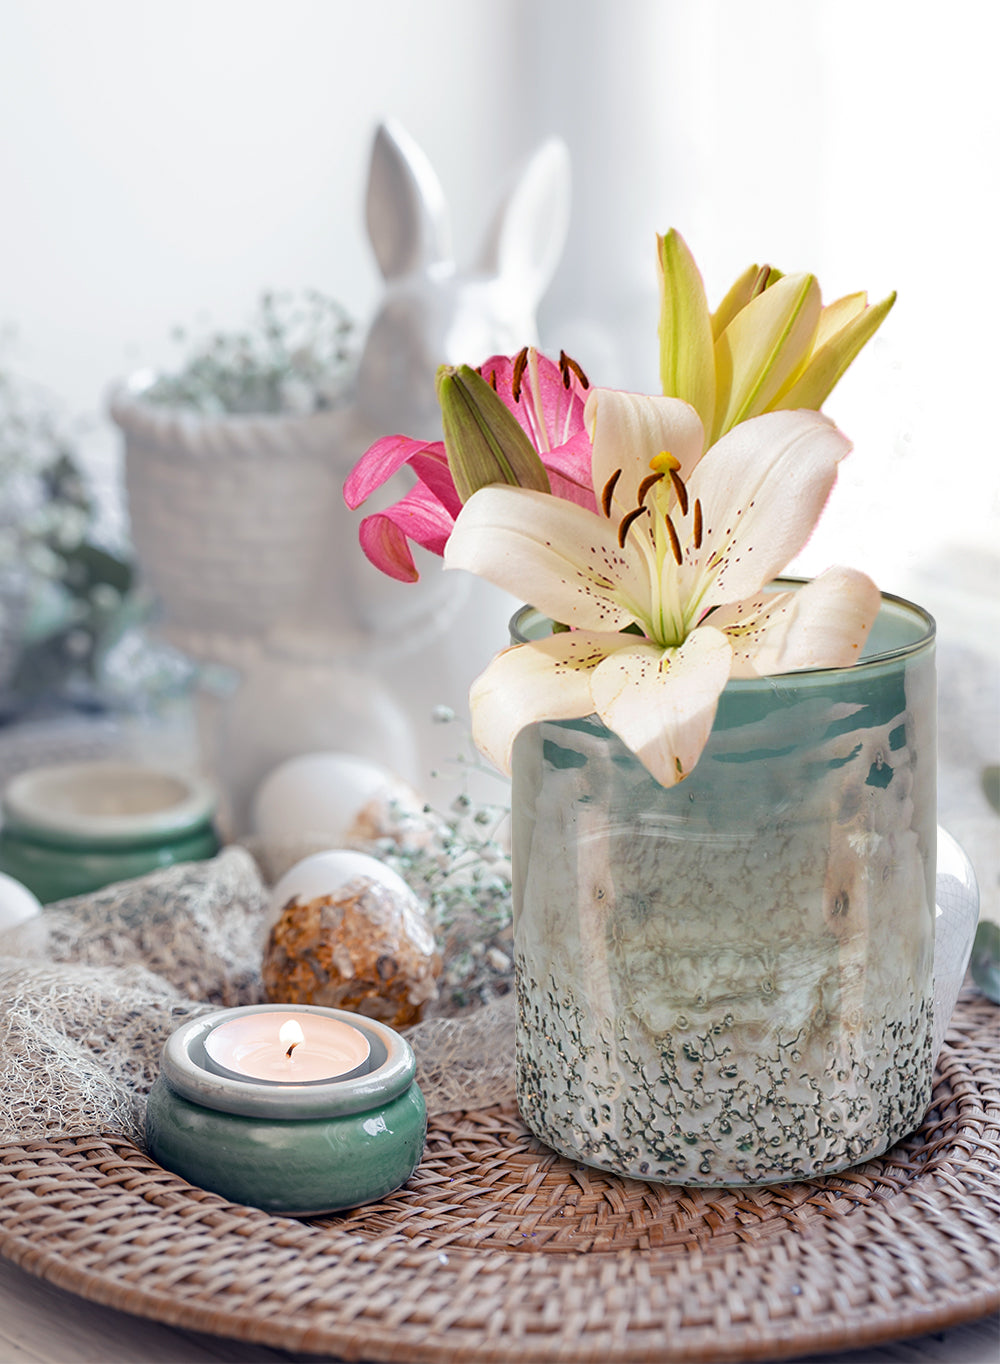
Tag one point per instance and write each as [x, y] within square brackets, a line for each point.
[462, 874]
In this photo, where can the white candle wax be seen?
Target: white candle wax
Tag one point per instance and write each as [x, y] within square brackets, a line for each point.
[287, 1048]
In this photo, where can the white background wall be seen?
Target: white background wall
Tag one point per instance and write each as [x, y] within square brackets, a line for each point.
[161, 163]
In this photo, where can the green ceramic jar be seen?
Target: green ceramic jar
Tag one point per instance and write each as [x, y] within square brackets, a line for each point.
[70, 828]
[300, 1149]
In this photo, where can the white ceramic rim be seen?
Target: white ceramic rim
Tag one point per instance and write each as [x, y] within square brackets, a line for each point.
[187, 1076]
[360, 1042]
[182, 431]
[27, 801]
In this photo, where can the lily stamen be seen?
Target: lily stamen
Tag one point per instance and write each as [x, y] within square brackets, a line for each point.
[520, 363]
[680, 490]
[697, 523]
[626, 523]
[566, 365]
[608, 492]
[675, 544]
[645, 486]
[760, 282]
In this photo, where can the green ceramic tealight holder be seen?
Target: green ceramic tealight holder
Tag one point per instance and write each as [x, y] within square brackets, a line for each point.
[70, 828]
[286, 1146]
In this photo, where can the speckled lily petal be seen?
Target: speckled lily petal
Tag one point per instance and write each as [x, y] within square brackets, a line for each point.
[762, 489]
[560, 557]
[661, 702]
[824, 624]
[545, 680]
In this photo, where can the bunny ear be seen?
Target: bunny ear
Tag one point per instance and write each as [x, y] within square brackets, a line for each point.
[406, 210]
[527, 235]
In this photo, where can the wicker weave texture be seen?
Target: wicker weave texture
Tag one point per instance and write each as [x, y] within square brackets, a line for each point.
[499, 1250]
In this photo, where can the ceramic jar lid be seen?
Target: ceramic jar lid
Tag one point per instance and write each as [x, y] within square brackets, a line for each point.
[101, 802]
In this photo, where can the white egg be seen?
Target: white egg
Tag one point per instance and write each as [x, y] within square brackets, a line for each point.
[324, 794]
[17, 903]
[324, 873]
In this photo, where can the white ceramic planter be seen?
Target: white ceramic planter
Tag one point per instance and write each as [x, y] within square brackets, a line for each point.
[241, 531]
[235, 519]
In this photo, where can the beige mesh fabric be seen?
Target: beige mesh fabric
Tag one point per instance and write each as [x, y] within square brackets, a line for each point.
[80, 1046]
[466, 1062]
[91, 989]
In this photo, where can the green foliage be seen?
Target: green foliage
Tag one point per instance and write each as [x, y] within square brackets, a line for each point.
[63, 595]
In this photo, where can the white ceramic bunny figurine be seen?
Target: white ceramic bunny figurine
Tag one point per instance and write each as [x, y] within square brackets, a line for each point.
[433, 313]
[240, 525]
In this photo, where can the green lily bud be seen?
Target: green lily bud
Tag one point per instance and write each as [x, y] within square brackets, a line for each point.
[482, 438]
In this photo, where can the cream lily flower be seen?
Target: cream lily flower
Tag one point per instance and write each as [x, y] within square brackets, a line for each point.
[682, 549]
[770, 345]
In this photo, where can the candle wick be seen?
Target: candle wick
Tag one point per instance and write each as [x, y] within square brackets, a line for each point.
[288, 1053]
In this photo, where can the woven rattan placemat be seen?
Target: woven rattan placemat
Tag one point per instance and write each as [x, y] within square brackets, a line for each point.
[499, 1250]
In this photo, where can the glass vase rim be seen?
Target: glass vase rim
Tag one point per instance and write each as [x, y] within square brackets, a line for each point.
[883, 656]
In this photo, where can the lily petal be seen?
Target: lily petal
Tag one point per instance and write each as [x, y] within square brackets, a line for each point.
[837, 314]
[630, 429]
[740, 293]
[387, 456]
[687, 365]
[548, 679]
[826, 366]
[549, 408]
[754, 280]
[568, 468]
[661, 703]
[420, 517]
[762, 348]
[822, 624]
[762, 489]
[560, 557]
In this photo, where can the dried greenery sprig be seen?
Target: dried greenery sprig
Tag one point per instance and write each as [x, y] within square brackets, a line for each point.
[295, 356]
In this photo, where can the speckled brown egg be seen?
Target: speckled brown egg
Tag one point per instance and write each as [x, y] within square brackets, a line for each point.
[362, 944]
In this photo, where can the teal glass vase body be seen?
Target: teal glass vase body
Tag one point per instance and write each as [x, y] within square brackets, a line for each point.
[730, 981]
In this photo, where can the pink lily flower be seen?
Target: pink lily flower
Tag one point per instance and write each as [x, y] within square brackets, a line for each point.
[546, 398]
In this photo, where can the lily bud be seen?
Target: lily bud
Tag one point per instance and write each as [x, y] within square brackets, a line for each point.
[483, 440]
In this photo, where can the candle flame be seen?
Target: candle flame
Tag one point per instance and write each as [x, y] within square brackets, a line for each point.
[290, 1035]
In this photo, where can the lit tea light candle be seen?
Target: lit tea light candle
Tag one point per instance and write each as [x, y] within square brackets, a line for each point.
[287, 1049]
[302, 1111]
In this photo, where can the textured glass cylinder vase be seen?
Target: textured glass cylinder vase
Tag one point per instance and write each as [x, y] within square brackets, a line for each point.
[730, 981]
